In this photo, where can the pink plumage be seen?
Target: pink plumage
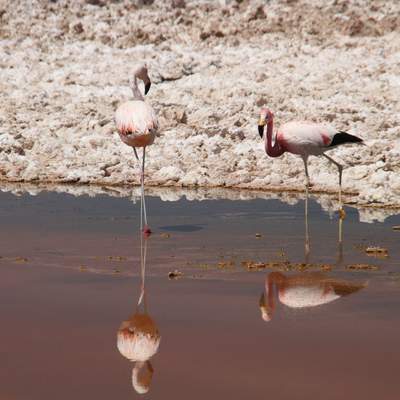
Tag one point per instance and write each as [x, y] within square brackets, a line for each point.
[136, 123]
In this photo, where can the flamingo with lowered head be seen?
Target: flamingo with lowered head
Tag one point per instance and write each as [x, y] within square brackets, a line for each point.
[304, 139]
[137, 127]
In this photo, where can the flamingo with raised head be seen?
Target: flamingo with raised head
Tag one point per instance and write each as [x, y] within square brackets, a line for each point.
[137, 127]
[303, 291]
[304, 139]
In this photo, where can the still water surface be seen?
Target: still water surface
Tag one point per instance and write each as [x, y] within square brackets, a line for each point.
[247, 319]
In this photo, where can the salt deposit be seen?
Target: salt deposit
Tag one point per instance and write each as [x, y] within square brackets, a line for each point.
[213, 65]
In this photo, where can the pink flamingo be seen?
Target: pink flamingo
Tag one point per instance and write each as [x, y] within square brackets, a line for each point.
[304, 139]
[137, 127]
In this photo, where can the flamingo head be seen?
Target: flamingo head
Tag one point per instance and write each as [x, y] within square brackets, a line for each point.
[266, 116]
[266, 310]
[140, 71]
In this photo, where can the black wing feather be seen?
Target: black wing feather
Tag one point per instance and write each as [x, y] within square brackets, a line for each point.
[344, 137]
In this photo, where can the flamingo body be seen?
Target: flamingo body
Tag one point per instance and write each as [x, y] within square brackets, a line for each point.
[136, 123]
[305, 138]
[302, 296]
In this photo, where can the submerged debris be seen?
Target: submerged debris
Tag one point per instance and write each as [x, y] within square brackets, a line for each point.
[258, 235]
[284, 266]
[116, 258]
[175, 274]
[21, 259]
[396, 228]
[376, 251]
[165, 235]
[363, 267]
[226, 264]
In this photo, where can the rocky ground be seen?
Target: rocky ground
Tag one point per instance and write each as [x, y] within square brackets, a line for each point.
[64, 68]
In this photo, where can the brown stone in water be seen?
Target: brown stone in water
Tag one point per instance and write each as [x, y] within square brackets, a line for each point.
[376, 251]
[175, 274]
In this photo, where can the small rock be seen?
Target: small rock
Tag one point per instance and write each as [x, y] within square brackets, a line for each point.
[175, 274]
[376, 251]
[21, 259]
[178, 4]
[78, 28]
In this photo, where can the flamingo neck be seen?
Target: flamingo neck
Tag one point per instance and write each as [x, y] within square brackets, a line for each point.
[276, 150]
[137, 95]
[271, 302]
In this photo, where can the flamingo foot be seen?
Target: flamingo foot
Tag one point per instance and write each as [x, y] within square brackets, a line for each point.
[146, 231]
[342, 213]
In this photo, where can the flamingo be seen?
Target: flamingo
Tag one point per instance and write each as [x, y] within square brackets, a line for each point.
[138, 337]
[303, 291]
[304, 139]
[137, 127]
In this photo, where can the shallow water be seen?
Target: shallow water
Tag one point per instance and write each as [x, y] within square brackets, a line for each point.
[70, 275]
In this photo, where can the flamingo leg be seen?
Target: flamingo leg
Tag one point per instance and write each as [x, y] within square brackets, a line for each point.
[146, 229]
[136, 155]
[340, 242]
[305, 161]
[342, 213]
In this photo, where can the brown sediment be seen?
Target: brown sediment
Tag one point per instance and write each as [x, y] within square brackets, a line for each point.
[284, 266]
[362, 267]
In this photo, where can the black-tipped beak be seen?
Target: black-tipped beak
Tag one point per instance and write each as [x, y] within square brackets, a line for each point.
[261, 130]
[147, 87]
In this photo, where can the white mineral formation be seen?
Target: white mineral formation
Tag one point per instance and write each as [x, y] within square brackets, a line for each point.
[213, 65]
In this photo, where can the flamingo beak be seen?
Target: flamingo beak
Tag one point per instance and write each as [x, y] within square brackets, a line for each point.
[261, 130]
[261, 123]
[147, 87]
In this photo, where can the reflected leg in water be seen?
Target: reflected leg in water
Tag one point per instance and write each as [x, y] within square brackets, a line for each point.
[307, 235]
[340, 241]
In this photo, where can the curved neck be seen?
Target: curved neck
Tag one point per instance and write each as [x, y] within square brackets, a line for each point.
[137, 95]
[270, 294]
[276, 150]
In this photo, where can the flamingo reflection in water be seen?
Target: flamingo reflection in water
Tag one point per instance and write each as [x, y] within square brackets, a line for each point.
[309, 289]
[138, 337]
[303, 291]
